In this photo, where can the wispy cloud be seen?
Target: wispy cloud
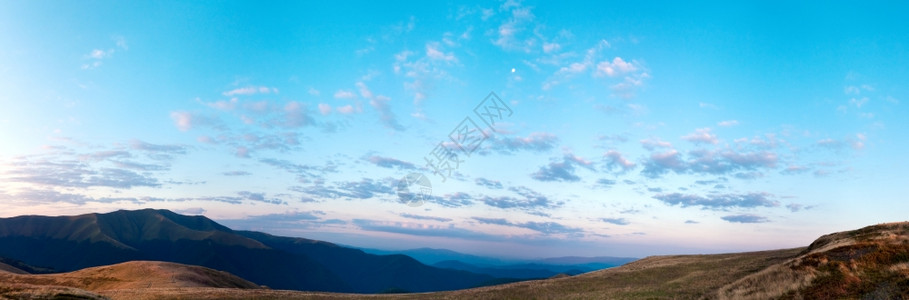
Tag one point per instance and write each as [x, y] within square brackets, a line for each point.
[701, 136]
[388, 162]
[719, 202]
[563, 170]
[419, 217]
[747, 218]
[616, 221]
[250, 90]
[542, 227]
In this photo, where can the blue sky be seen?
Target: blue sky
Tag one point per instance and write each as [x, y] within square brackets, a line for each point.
[634, 129]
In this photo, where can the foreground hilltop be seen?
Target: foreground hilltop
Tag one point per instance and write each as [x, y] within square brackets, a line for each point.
[872, 262]
[869, 263]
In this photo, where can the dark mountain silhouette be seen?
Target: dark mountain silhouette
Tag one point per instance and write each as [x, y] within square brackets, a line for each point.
[75, 242]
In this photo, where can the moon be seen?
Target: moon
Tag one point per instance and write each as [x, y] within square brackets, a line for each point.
[512, 70]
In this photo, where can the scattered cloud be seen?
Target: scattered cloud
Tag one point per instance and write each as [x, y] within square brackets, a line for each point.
[380, 103]
[562, 170]
[418, 217]
[527, 199]
[701, 136]
[492, 184]
[615, 161]
[236, 173]
[616, 221]
[344, 94]
[388, 162]
[617, 67]
[728, 123]
[718, 162]
[250, 90]
[746, 218]
[535, 142]
[719, 201]
[542, 227]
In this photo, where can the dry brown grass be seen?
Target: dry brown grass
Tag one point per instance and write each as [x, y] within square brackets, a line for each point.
[136, 275]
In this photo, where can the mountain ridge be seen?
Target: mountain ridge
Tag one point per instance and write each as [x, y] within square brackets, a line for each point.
[871, 262]
[71, 243]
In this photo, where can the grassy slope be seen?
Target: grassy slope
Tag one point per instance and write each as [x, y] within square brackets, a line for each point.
[136, 275]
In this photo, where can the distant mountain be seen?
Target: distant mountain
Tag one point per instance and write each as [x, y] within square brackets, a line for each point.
[76, 242]
[432, 256]
[508, 271]
[19, 267]
[524, 269]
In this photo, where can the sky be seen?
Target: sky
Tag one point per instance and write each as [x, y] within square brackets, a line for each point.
[538, 128]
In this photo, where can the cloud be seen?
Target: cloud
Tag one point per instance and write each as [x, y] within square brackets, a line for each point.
[701, 136]
[344, 94]
[345, 110]
[720, 161]
[418, 217]
[492, 184]
[458, 199]
[433, 52]
[616, 221]
[691, 222]
[250, 90]
[795, 207]
[288, 220]
[70, 173]
[183, 120]
[236, 173]
[607, 183]
[324, 109]
[302, 171]
[662, 162]
[719, 201]
[160, 149]
[615, 160]
[617, 67]
[259, 197]
[46, 195]
[551, 47]
[388, 162]
[746, 218]
[367, 188]
[380, 103]
[562, 170]
[528, 200]
[856, 143]
[542, 227]
[449, 231]
[728, 123]
[511, 33]
[651, 144]
[535, 142]
[296, 115]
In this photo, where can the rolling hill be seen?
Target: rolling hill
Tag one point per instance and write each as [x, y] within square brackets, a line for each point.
[77, 242]
[869, 263]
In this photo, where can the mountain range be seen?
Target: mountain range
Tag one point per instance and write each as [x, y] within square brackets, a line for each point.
[868, 263]
[70, 243]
